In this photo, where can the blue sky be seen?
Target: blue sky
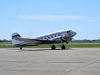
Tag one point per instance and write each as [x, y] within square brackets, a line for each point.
[32, 18]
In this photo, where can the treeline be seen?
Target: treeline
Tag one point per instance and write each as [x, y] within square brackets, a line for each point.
[4, 40]
[87, 41]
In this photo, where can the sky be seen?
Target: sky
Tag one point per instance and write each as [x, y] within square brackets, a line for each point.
[32, 18]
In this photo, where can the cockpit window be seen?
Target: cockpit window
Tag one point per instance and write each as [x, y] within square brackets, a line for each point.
[69, 31]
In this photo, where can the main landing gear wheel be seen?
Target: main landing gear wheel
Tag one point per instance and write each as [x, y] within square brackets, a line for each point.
[53, 47]
[63, 47]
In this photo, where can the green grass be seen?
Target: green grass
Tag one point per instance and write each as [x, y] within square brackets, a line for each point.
[84, 45]
[6, 45]
[72, 45]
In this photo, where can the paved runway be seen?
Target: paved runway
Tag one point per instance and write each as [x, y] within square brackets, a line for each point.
[31, 61]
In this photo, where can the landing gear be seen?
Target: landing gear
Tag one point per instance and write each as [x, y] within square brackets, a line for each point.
[53, 47]
[63, 47]
[62, 44]
[21, 47]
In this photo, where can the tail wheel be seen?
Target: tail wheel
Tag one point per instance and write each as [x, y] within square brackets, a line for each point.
[53, 47]
[21, 48]
[63, 47]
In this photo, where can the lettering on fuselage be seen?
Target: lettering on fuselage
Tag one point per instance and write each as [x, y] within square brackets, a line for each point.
[55, 35]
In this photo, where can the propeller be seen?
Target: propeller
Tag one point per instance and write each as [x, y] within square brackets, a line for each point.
[67, 39]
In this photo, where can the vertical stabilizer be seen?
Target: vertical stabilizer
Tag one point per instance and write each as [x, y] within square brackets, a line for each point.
[14, 39]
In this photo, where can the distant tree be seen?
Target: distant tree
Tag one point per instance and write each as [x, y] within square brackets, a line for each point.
[0, 40]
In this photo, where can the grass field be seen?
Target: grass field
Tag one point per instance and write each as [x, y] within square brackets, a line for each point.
[72, 45]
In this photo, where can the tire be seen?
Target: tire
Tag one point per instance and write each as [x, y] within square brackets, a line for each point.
[20, 48]
[53, 47]
[63, 47]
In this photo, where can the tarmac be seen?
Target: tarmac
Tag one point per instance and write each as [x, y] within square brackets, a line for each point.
[37, 61]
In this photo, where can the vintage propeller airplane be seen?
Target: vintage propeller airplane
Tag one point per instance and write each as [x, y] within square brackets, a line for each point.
[58, 37]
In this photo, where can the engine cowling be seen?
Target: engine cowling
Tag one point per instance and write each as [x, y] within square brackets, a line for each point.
[67, 39]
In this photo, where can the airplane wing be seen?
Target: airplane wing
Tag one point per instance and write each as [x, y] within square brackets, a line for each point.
[33, 42]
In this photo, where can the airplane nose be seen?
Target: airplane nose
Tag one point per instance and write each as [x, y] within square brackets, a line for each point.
[74, 33]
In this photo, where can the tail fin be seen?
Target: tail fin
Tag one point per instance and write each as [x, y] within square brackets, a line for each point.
[14, 38]
[15, 35]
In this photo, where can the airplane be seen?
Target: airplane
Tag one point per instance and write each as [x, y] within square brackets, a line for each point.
[58, 37]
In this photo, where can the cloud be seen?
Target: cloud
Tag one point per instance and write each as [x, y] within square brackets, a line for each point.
[52, 17]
